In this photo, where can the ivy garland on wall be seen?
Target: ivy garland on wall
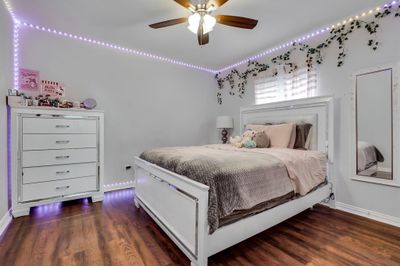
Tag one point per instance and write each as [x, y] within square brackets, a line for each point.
[314, 55]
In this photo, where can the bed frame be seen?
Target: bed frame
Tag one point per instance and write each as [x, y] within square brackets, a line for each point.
[179, 205]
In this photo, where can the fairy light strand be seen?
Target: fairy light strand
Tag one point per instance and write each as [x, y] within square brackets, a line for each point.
[115, 46]
[16, 29]
[18, 24]
[10, 10]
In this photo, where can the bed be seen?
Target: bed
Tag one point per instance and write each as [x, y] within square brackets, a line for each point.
[183, 206]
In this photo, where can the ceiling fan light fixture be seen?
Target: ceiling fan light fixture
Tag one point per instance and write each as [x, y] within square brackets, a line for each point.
[201, 21]
[194, 22]
[208, 23]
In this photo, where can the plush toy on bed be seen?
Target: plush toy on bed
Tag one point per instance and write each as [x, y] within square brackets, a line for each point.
[236, 141]
[261, 139]
[250, 139]
[240, 141]
[250, 144]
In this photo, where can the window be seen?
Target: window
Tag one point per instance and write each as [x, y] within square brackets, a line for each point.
[300, 84]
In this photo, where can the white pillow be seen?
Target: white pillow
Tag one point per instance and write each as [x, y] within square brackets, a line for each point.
[279, 135]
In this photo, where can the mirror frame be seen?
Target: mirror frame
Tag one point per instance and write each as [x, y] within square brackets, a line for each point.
[395, 181]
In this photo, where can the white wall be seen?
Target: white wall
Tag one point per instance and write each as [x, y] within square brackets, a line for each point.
[337, 81]
[147, 103]
[6, 29]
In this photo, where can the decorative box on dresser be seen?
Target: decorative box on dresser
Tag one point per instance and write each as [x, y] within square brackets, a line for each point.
[55, 155]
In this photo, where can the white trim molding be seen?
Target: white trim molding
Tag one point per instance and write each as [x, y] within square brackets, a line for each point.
[5, 222]
[373, 215]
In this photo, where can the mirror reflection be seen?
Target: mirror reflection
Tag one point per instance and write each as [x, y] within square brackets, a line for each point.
[374, 124]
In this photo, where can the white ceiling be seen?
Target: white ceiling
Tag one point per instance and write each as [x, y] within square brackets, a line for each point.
[125, 22]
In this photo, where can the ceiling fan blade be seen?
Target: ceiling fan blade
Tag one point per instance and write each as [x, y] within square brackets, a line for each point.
[201, 37]
[235, 21]
[168, 23]
[186, 4]
[216, 3]
[206, 38]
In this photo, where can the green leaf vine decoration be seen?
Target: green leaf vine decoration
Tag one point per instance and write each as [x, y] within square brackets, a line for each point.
[314, 55]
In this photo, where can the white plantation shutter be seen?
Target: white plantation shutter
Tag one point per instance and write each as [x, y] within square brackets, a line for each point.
[300, 84]
[266, 90]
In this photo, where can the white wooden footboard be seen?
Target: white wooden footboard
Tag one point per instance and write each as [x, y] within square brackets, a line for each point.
[177, 204]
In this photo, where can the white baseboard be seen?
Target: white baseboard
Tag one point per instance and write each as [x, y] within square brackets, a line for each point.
[119, 186]
[5, 222]
[373, 215]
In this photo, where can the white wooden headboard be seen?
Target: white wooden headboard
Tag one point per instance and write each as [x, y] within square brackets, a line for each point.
[317, 111]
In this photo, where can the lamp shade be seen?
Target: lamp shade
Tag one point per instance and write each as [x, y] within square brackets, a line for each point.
[224, 122]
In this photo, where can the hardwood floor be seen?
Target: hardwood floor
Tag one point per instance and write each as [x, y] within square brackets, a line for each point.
[115, 233]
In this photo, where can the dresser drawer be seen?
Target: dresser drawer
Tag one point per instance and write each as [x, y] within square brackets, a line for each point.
[58, 172]
[58, 188]
[56, 157]
[58, 125]
[58, 141]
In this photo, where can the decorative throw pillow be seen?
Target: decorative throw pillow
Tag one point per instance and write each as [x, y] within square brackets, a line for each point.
[293, 137]
[261, 139]
[279, 135]
[302, 132]
[308, 141]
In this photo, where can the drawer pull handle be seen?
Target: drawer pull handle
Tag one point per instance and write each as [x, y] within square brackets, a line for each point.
[62, 172]
[62, 157]
[62, 188]
[62, 141]
[62, 126]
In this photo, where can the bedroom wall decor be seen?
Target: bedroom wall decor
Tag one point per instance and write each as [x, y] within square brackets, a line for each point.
[29, 80]
[338, 33]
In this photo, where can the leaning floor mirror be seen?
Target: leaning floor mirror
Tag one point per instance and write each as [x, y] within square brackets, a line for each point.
[375, 130]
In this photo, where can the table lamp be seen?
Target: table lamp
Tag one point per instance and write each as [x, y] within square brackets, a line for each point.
[224, 123]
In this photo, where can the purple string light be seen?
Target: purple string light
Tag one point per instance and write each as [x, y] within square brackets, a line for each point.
[114, 46]
[18, 24]
[119, 184]
[16, 55]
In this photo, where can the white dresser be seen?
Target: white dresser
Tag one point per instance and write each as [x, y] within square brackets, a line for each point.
[55, 155]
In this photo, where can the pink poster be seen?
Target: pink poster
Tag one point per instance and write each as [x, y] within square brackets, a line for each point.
[28, 79]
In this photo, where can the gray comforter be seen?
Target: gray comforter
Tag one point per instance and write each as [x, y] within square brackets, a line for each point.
[238, 180]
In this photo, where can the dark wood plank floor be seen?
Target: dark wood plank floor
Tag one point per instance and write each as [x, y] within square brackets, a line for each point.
[115, 233]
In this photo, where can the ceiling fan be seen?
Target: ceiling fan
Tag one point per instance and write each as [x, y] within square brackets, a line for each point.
[201, 22]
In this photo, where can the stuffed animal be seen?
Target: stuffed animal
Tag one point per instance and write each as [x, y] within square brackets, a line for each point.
[251, 139]
[246, 137]
[261, 139]
[236, 141]
[241, 141]
[250, 144]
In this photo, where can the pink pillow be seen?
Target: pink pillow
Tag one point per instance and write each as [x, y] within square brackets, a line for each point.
[279, 135]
